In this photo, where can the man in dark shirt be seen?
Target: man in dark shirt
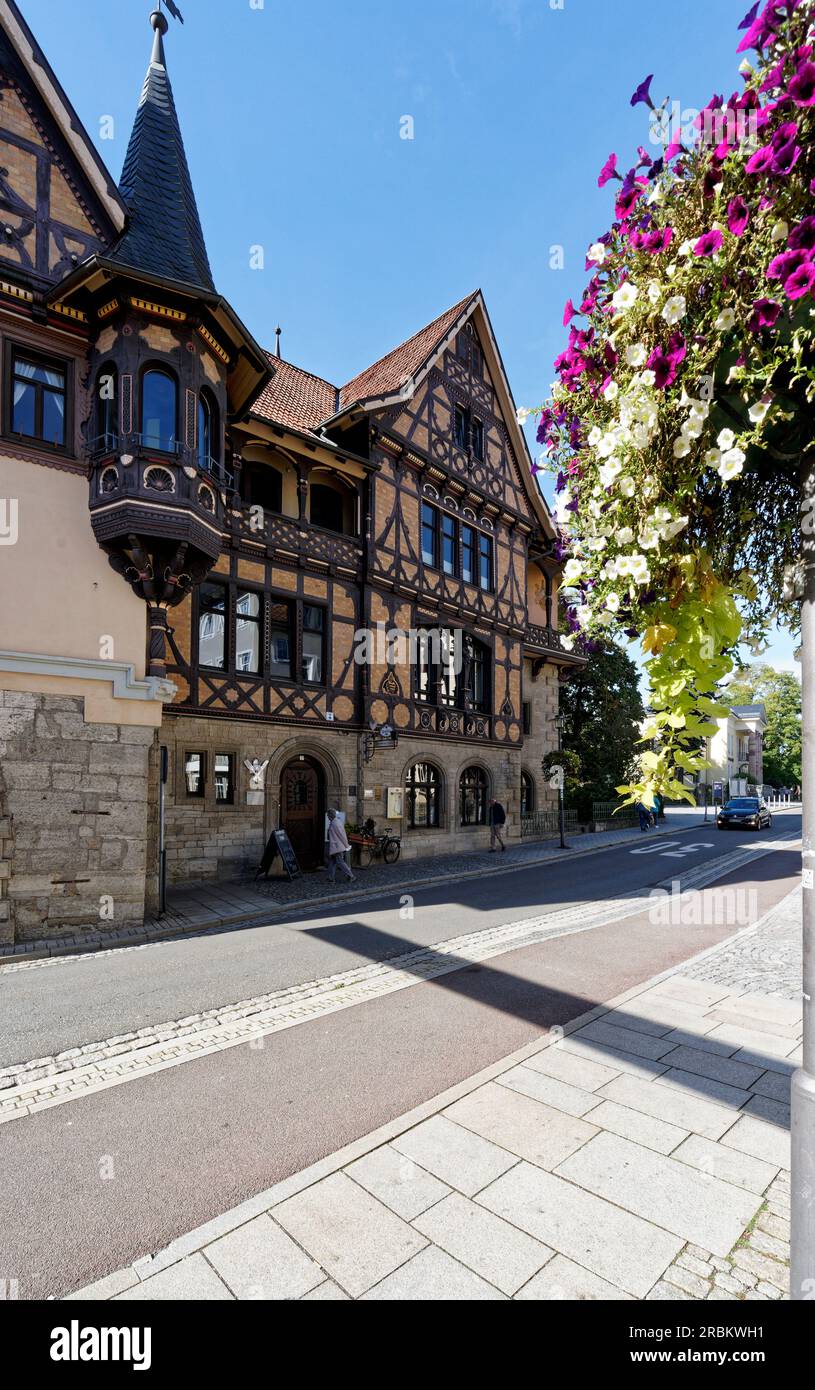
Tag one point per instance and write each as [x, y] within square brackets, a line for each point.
[497, 820]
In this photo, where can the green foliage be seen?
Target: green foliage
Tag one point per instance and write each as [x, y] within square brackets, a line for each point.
[602, 710]
[780, 693]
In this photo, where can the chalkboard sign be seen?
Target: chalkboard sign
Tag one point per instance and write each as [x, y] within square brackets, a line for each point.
[279, 843]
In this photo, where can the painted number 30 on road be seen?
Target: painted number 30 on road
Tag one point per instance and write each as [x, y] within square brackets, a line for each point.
[669, 849]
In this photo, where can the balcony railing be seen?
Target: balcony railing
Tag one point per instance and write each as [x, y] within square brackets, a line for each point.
[293, 540]
[545, 639]
[154, 446]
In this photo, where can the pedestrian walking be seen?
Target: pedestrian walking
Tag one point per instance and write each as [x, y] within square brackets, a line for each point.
[644, 815]
[338, 847]
[497, 821]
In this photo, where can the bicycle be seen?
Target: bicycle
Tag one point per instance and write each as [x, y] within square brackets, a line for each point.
[368, 844]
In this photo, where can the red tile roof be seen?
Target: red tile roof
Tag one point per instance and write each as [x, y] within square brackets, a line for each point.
[303, 401]
[391, 372]
[294, 397]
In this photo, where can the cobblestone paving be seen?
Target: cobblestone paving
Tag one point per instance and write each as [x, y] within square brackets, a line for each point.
[643, 1154]
[767, 961]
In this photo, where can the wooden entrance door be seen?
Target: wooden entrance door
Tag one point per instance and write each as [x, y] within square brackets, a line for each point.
[302, 809]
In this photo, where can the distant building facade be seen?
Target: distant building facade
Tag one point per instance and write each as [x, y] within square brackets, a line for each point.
[197, 533]
[736, 750]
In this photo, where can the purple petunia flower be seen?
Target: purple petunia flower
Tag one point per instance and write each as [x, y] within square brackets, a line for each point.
[761, 161]
[801, 281]
[802, 86]
[643, 93]
[747, 22]
[738, 215]
[708, 244]
[785, 158]
[608, 171]
[764, 315]
[664, 363]
[568, 313]
[802, 237]
[785, 265]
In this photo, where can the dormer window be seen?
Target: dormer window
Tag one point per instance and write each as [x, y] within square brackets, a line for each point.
[159, 411]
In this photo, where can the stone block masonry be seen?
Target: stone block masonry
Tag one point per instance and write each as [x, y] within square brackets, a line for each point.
[73, 819]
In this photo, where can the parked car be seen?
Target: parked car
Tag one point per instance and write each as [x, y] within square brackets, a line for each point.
[745, 813]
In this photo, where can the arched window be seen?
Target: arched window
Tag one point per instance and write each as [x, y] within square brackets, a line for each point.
[423, 797]
[473, 796]
[527, 794]
[159, 410]
[326, 507]
[208, 434]
[262, 486]
[107, 407]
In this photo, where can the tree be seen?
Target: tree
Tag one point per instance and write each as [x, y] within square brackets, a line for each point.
[602, 711]
[780, 693]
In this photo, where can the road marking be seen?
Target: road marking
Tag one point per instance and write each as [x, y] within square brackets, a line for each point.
[656, 848]
[687, 849]
[48, 1081]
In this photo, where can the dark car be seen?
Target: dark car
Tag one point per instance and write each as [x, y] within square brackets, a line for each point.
[744, 813]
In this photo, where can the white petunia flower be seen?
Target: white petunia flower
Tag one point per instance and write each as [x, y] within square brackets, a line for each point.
[597, 253]
[681, 446]
[758, 411]
[572, 570]
[780, 232]
[625, 297]
[674, 309]
[726, 439]
[626, 487]
[567, 642]
[648, 377]
[685, 249]
[607, 445]
[712, 458]
[635, 355]
[725, 320]
[522, 414]
[654, 292]
[731, 464]
[625, 535]
[595, 436]
[612, 391]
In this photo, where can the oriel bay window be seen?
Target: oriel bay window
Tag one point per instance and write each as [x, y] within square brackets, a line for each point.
[159, 410]
[38, 398]
[231, 621]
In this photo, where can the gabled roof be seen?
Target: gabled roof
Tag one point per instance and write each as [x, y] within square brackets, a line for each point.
[756, 711]
[44, 79]
[163, 235]
[297, 399]
[294, 397]
[397, 367]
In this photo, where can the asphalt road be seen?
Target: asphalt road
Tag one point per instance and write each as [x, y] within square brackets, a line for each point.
[76, 1000]
[93, 1184]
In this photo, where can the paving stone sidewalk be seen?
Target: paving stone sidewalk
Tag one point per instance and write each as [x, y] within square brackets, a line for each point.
[641, 1153]
[213, 905]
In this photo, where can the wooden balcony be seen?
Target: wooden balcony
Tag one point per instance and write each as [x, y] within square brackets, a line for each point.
[294, 543]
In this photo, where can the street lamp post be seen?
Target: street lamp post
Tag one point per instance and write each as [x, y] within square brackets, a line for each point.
[802, 1263]
[561, 779]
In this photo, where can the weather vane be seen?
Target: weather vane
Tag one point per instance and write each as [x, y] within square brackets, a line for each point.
[173, 9]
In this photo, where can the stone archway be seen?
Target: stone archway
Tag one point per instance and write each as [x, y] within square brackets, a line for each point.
[303, 752]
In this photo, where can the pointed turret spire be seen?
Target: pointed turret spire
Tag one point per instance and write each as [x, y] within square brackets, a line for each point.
[163, 236]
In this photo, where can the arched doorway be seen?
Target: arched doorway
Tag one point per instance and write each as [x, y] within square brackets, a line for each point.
[302, 809]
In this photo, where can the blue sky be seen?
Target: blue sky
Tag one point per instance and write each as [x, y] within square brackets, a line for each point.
[291, 117]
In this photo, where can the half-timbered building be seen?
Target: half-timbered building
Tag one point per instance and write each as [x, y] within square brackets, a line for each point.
[233, 592]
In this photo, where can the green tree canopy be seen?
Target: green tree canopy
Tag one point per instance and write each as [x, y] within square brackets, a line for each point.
[780, 693]
[602, 710]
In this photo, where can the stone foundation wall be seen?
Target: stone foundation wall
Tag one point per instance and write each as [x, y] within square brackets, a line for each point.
[73, 819]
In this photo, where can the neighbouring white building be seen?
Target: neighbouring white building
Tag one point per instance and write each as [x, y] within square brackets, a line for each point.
[736, 750]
